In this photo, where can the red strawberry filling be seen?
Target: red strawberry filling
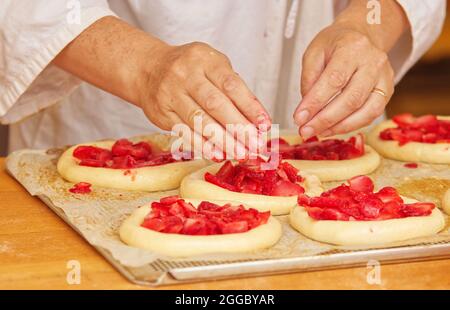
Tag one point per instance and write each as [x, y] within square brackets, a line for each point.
[330, 149]
[81, 188]
[123, 155]
[176, 216]
[423, 129]
[248, 177]
[411, 165]
[358, 201]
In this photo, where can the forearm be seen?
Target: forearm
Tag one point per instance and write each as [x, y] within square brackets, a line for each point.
[384, 35]
[109, 54]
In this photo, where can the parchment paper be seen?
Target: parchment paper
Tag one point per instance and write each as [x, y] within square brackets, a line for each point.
[99, 214]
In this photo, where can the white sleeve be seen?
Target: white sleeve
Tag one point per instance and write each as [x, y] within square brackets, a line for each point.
[32, 33]
[426, 18]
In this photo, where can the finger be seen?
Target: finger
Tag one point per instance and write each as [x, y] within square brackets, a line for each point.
[234, 87]
[350, 100]
[200, 122]
[372, 109]
[313, 64]
[219, 106]
[333, 79]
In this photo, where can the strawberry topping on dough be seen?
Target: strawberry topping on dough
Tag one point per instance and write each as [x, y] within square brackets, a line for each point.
[424, 129]
[358, 201]
[176, 216]
[248, 177]
[329, 149]
[81, 188]
[123, 155]
[411, 165]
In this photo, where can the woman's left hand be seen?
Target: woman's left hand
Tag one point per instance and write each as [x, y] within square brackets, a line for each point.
[346, 82]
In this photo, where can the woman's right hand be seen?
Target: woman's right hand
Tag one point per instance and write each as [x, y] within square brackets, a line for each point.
[172, 84]
[196, 80]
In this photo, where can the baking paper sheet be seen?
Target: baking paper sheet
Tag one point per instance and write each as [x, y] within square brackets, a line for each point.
[98, 216]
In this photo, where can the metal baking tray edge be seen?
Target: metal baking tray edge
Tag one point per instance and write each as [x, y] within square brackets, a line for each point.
[333, 260]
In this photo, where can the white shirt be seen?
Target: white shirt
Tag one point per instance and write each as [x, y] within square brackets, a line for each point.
[48, 107]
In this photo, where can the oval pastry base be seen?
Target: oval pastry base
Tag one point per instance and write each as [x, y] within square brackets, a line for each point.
[338, 170]
[194, 186]
[438, 153]
[446, 202]
[150, 179]
[335, 170]
[177, 245]
[361, 233]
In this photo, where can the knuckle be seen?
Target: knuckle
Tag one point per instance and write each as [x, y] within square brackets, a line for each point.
[315, 103]
[354, 99]
[361, 41]
[197, 48]
[337, 79]
[382, 59]
[229, 81]
[213, 101]
[177, 69]
[325, 121]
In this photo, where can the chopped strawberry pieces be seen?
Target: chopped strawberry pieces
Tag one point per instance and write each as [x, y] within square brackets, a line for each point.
[411, 165]
[358, 201]
[423, 129]
[176, 216]
[330, 149]
[361, 184]
[248, 177]
[123, 155]
[81, 188]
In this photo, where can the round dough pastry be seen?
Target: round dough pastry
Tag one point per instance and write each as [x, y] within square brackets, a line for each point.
[195, 186]
[361, 233]
[178, 245]
[154, 178]
[446, 202]
[335, 170]
[438, 153]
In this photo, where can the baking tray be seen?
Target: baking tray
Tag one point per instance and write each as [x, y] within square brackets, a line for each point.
[167, 271]
[172, 272]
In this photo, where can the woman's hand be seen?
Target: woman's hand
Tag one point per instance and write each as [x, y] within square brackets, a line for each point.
[196, 80]
[342, 67]
[172, 84]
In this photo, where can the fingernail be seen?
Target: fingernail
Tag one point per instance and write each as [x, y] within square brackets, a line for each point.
[263, 122]
[302, 117]
[307, 132]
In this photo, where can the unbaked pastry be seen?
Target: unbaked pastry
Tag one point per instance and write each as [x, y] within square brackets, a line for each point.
[194, 186]
[335, 170]
[153, 178]
[437, 153]
[446, 202]
[178, 245]
[366, 232]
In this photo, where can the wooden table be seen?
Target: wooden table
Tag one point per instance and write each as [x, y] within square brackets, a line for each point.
[35, 246]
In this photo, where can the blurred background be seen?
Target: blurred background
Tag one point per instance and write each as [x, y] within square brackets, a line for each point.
[425, 89]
